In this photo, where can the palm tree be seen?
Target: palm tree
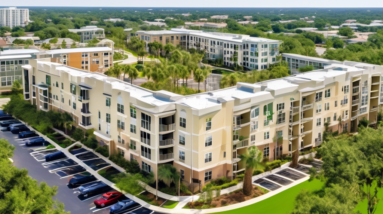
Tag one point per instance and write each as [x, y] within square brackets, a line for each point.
[16, 87]
[253, 160]
[174, 72]
[198, 76]
[206, 73]
[339, 123]
[229, 80]
[132, 72]
[168, 174]
[183, 73]
[147, 71]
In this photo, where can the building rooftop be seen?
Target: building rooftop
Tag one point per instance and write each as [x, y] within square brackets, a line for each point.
[317, 59]
[76, 50]
[86, 28]
[18, 51]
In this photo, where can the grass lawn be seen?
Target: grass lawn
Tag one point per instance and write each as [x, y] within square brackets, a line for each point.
[108, 176]
[132, 52]
[170, 204]
[362, 206]
[281, 203]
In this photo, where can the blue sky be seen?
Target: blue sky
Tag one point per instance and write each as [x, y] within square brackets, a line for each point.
[197, 3]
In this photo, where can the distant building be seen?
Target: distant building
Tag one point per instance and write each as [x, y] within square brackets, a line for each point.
[219, 17]
[185, 14]
[58, 44]
[307, 29]
[205, 24]
[89, 32]
[350, 21]
[159, 20]
[10, 40]
[287, 21]
[203, 20]
[113, 20]
[247, 22]
[94, 22]
[160, 24]
[14, 17]
[248, 17]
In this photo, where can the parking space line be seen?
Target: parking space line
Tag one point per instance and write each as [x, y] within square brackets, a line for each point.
[133, 209]
[99, 209]
[61, 168]
[42, 151]
[49, 163]
[68, 175]
[92, 197]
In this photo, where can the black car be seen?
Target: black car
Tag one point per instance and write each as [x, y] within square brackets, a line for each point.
[35, 142]
[6, 117]
[18, 129]
[94, 188]
[27, 134]
[54, 156]
[6, 123]
[14, 125]
[79, 179]
[123, 206]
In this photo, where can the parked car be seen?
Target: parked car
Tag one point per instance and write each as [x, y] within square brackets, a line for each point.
[18, 129]
[107, 199]
[123, 206]
[94, 188]
[35, 142]
[6, 117]
[54, 156]
[27, 134]
[6, 123]
[79, 179]
[14, 125]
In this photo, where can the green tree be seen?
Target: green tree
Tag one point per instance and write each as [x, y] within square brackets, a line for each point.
[252, 159]
[53, 41]
[16, 87]
[319, 23]
[277, 28]
[63, 44]
[169, 48]
[132, 72]
[199, 76]
[229, 80]
[346, 31]
[338, 43]
[169, 174]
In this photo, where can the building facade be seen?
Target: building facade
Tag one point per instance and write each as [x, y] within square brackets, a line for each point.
[252, 53]
[88, 33]
[14, 17]
[203, 135]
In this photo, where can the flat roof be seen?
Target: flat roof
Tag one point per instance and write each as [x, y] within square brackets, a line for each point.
[76, 50]
[24, 56]
[310, 58]
[18, 51]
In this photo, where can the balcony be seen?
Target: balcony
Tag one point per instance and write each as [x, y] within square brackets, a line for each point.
[306, 119]
[307, 106]
[345, 118]
[166, 128]
[85, 125]
[295, 109]
[166, 142]
[292, 137]
[356, 101]
[85, 112]
[355, 90]
[374, 108]
[145, 140]
[241, 144]
[167, 156]
[146, 155]
[318, 99]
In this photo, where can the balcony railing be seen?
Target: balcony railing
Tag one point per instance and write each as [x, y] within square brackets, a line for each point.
[145, 140]
[165, 128]
[355, 101]
[166, 142]
[307, 106]
[85, 111]
[344, 118]
[295, 109]
[374, 108]
[243, 143]
[355, 89]
[166, 156]
[318, 99]
[146, 154]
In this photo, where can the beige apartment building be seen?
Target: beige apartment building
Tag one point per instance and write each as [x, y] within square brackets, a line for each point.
[202, 135]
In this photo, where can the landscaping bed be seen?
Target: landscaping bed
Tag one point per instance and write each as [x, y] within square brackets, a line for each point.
[151, 199]
[226, 199]
[170, 204]
[60, 139]
[110, 174]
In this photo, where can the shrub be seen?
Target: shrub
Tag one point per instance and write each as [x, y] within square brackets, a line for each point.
[139, 67]
[205, 206]
[223, 203]
[258, 171]
[223, 186]
[220, 181]
[103, 150]
[130, 183]
[274, 164]
[129, 166]
[218, 192]
[185, 189]
[78, 134]
[90, 142]
[50, 147]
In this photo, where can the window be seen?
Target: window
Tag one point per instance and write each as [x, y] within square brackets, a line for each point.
[318, 96]
[253, 126]
[132, 112]
[132, 145]
[328, 120]
[319, 108]
[280, 106]
[334, 118]
[181, 139]
[336, 103]
[62, 85]
[208, 157]
[319, 121]
[208, 124]
[120, 108]
[73, 88]
[123, 141]
[208, 141]
[254, 112]
[266, 152]
[133, 128]
[146, 167]
[107, 101]
[107, 118]
[146, 152]
[145, 138]
[48, 80]
[119, 138]
[281, 118]
[182, 155]
[74, 105]
[364, 100]
[145, 121]
[266, 135]
[252, 139]
[121, 124]
[208, 175]
[183, 122]
[182, 174]
[346, 89]
[327, 93]
[327, 106]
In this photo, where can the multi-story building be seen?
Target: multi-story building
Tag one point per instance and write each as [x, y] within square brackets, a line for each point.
[296, 61]
[202, 135]
[249, 52]
[14, 17]
[88, 33]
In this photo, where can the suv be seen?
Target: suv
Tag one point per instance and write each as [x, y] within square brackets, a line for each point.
[92, 189]
[27, 134]
[5, 117]
[35, 141]
[19, 128]
[54, 156]
[6, 123]
[79, 179]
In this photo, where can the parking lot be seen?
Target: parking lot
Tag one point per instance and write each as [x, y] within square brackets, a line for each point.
[58, 172]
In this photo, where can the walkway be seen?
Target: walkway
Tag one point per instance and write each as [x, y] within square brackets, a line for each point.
[221, 68]
[132, 59]
[183, 200]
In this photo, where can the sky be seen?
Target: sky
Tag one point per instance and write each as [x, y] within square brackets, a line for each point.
[197, 3]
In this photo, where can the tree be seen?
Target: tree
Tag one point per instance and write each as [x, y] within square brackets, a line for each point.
[132, 72]
[63, 44]
[338, 43]
[306, 68]
[252, 159]
[199, 76]
[53, 41]
[19, 193]
[229, 80]
[319, 23]
[168, 174]
[277, 28]
[169, 48]
[16, 87]
[339, 123]
[346, 31]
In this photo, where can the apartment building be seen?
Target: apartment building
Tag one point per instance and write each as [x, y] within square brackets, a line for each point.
[203, 135]
[296, 61]
[252, 53]
[14, 17]
[88, 33]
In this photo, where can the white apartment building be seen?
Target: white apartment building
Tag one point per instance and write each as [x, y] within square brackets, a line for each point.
[202, 135]
[296, 61]
[253, 53]
[88, 33]
[13, 17]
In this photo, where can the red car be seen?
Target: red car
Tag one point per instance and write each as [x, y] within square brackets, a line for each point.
[108, 199]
